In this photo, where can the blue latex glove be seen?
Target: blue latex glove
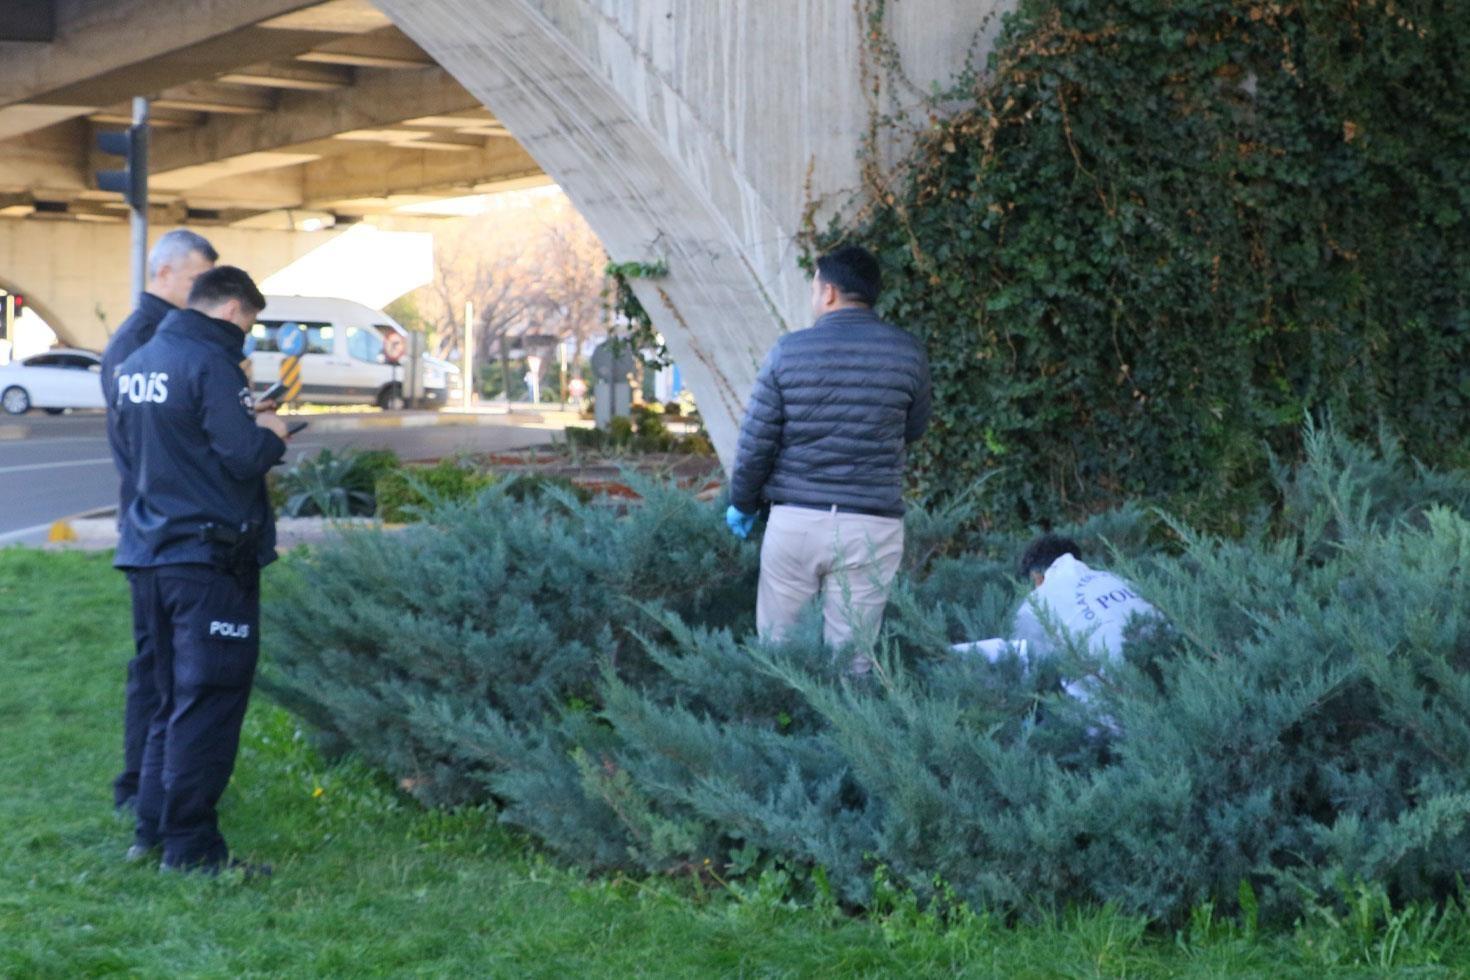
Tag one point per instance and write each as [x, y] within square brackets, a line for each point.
[739, 522]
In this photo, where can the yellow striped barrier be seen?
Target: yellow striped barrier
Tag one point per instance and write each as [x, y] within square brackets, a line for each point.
[291, 378]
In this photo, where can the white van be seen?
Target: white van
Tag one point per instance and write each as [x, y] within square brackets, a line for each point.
[344, 362]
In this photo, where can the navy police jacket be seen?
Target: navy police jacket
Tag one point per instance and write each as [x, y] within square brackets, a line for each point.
[189, 443]
[136, 330]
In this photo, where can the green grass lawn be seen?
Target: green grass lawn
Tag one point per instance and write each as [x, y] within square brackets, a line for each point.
[369, 884]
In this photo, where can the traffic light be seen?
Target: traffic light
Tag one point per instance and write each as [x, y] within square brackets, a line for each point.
[131, 181]
[11, 305]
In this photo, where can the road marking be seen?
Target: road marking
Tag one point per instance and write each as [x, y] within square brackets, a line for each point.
[29, 467]
[50, 439]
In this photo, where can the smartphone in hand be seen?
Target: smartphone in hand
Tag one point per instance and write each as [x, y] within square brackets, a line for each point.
[272, 394]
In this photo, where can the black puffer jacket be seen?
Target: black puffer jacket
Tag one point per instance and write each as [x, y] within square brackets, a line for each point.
[831, 417]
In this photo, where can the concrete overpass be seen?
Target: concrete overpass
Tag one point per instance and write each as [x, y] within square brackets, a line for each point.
[273, 123]
[698, 134]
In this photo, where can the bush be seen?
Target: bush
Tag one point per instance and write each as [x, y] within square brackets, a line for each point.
[372, 465]
[651, 426]
[495, 613]
[695, 444]
[650, 436]
[339, 484]
[404, 494]
[534, 486]
[620, 430]
[1300, 722]
[1129, 255]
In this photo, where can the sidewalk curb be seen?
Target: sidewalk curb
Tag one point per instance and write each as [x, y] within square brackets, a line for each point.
[426, 420]
[65, 530]
[97, 531]
[347, 422]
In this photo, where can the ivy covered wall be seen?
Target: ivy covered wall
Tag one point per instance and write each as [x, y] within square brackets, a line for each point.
[1158, 233]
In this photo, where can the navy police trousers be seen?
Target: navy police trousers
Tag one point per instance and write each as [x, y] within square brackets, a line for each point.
[204, 627]
[140, 704]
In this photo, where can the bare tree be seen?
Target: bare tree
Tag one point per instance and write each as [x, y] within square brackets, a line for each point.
[539, 273]
[573, 281]
[496, 280]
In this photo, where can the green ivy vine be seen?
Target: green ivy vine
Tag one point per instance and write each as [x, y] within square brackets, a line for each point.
[1158, 234]
[629, 325]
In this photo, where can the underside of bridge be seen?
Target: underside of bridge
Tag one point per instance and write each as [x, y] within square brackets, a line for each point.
[274, 125]
[697, 135]
[327, 111]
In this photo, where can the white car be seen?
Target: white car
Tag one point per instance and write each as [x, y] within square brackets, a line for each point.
[54, 381]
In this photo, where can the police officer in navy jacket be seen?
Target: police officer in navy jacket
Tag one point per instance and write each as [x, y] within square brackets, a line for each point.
[175, 262]
[195, 538]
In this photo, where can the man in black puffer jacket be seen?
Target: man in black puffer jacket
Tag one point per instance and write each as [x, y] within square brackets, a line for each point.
[824, 442]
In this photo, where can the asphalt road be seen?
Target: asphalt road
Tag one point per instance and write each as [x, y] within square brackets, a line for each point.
[63, 468]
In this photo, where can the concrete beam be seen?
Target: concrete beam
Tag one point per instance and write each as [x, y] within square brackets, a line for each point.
[354, 178]
[51, 163]
[296, 75]
[187, 179]
[265, 190]
[99, 39]
[445, 142]
[379, 49]
[380, 99]
[159, 117]
[199, 61]
[331, 181]
[228, 100]
[18, 120]
[334, 16]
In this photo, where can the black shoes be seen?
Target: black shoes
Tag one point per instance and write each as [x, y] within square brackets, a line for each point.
[248, 870]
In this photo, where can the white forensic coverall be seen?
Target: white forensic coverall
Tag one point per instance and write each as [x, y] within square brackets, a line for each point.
[1080, 602]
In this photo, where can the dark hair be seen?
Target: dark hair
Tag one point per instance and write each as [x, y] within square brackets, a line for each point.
[854, 272]
[222, 284]
[1046, 549]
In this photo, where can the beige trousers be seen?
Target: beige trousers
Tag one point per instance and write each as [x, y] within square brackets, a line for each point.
[847, 559]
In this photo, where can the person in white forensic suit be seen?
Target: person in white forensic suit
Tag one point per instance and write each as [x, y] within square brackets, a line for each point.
[1070, 601]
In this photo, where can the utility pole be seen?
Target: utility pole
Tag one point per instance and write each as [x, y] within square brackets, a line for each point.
[469, 353]
[140, 206]
[561, 356]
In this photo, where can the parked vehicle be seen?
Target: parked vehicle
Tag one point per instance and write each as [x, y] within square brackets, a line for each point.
[346, 358]
[52, 381]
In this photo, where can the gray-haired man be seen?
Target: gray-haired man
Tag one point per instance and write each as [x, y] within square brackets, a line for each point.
[177, 259]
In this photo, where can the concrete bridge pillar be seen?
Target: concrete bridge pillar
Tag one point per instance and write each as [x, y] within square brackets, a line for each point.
[696, 133]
